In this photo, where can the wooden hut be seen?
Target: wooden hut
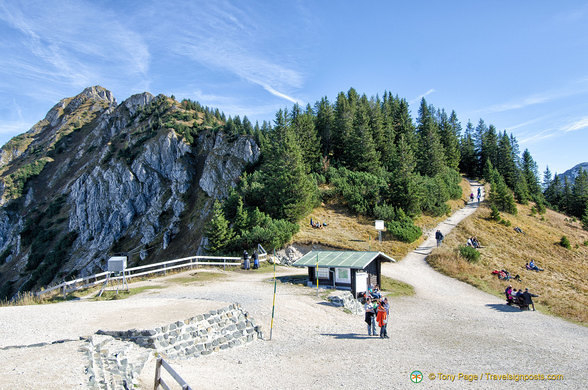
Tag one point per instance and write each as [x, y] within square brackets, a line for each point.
[349, 270]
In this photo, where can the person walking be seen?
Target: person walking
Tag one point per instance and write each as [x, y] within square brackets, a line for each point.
[370, 317]
[382, 319]
[439, 237]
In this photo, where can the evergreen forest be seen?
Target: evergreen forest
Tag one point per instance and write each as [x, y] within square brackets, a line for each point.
[371, 155]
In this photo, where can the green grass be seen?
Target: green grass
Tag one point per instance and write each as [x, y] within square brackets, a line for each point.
[396, 288]
[111, 295]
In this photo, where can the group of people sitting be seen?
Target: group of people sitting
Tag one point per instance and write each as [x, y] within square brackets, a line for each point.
[520, 298]
[377, 311]
[531, 266]
[505, 275]
[474, 242]
[317, 224]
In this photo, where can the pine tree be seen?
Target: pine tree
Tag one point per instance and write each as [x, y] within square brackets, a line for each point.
[362, 153]
[290, 192]
[580, 194]
[240, 224]
[506, 164]
[479, 135]
[218, 232]
[546, 179]
[344, 113]
[530, 173]
[307, 136]
[585, 217]
[324, 123]
[468, 163]
[431, 158]
[403, 180]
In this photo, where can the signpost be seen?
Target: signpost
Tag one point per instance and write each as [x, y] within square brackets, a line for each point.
[379, 228]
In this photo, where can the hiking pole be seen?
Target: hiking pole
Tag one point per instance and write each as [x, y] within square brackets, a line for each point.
[273, 304]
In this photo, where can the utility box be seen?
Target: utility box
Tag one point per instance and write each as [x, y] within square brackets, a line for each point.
[117, 264]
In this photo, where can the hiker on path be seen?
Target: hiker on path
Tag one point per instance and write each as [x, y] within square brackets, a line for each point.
[370, 317]
[527, 298]
[439, 237]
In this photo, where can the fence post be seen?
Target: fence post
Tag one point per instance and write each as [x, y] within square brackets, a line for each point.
[157, 373]
[64, 292]
[224, 264]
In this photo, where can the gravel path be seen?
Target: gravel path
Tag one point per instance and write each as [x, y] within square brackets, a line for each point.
[447, 328]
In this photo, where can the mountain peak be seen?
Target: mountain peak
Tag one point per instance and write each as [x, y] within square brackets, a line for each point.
[98, 92]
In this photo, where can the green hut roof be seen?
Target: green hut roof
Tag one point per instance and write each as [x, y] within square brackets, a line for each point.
[340, 259]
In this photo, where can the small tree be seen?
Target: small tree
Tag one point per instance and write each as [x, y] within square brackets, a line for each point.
[565, 242]
[218, 232]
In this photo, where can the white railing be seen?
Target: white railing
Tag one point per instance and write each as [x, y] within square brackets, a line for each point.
[163, 267]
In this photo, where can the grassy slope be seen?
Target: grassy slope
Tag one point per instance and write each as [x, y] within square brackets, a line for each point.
[562, 286]
[346, 230]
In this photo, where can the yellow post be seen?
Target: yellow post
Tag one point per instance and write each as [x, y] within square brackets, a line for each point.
[274, 303]
[316, 276]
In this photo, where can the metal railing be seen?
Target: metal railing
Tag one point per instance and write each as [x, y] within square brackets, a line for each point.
[162, 267]
[159, 380]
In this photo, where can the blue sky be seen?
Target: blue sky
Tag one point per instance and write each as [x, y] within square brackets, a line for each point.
[522, 66]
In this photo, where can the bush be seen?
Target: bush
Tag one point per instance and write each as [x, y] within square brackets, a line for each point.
[361, 190]
[565, 242]
[469, 253]
[385, 212]
[505, 222]
[495, 215]
[404, 231]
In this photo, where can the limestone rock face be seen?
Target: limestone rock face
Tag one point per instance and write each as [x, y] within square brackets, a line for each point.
[225, 162]
[117, 178]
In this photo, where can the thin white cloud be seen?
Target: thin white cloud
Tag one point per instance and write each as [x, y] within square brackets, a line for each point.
[545, 134]
[418, 98]
[76, 45]
[227, 38]
[576, 125]
[577, 88]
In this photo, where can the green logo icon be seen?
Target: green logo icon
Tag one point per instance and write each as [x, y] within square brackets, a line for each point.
[416, 376]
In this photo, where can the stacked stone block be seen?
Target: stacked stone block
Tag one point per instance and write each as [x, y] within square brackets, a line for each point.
[200, 335]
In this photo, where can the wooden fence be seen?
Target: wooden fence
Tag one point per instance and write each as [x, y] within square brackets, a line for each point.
[159, 380]
[162, 267]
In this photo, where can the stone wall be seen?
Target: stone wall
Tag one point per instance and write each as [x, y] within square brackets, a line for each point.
[116, 358]
[200, 335]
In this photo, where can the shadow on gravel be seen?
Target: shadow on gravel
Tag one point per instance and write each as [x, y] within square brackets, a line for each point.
[347, 336]
[503, 307]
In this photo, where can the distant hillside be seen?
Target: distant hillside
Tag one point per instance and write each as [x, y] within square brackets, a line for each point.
[573, 172]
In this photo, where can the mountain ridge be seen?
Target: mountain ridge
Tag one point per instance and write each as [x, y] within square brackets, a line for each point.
[95, 177]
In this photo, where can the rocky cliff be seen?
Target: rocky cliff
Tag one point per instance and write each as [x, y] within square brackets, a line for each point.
[95, 177]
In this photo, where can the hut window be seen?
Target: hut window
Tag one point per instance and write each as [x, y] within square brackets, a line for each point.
[343, 275]
[322, 273]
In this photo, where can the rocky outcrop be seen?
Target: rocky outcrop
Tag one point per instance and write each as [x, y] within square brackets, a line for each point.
[116, 178]
[225, 162]
[109, 199]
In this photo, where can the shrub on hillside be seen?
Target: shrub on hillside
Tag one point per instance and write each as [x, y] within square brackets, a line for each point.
[565, 242]
[505, 222]
[361, 190]
[495, 215]
[403, 228]
[469, 253]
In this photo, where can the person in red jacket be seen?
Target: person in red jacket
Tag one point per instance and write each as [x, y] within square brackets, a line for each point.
[382, 319]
